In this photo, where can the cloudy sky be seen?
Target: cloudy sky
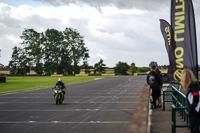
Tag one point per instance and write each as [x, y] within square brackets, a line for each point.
[114, 30]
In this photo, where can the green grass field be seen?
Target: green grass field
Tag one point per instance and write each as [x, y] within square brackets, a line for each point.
[16, 84]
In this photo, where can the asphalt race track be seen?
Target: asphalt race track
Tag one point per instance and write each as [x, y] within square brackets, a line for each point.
[99, 106]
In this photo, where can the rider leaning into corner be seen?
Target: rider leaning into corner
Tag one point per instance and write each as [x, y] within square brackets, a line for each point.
[60, 83]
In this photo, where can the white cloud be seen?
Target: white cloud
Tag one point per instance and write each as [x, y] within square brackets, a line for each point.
[128, 4]
[114, 30]
[13, 39]
[101, 56]
[114, 10]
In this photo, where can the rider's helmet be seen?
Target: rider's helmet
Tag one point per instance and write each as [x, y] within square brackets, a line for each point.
[59, 80]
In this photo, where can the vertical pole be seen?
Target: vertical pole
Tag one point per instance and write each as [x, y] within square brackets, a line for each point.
[182, 112]
[173, 119]
[163, 100]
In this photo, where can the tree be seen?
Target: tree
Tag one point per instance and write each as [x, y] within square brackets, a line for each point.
[152, 63]
[33, 45]
[1, 66]
[121, 67]
[100, 66]
[54, 51]
[163, 66]
[85, 64]
[144, 69]
[133, 68]
[19, 64]
[77, 47]
[65, 64]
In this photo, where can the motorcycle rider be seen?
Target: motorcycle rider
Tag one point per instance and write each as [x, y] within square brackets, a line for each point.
[60, 83]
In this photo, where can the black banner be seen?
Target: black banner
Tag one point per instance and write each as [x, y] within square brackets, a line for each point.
[167, 33]
[183, 26]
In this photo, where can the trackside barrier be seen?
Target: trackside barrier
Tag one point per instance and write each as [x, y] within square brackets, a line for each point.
[57, 75]
[167, 94]
[179, 105]
[94, 74]
[3, 79]
[135, 74]
[68, 74]
[165, 79]
[118, 74]
[108, 74]
[81, 75]
[47, 75]
[184, 114]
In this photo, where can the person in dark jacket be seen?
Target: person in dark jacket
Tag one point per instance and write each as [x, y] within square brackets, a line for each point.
[60, 83]
[154, 81]
[191, 85]
[160, 76]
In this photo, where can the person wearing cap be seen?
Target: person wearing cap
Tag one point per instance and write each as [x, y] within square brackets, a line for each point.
[154, 81]
[160, 78]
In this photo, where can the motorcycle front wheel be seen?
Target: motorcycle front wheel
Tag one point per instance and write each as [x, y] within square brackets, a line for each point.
[61, 99]
[57, 99]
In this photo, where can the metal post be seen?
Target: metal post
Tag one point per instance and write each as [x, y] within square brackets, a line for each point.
[163, 100]
[0, 52]
[173, 119]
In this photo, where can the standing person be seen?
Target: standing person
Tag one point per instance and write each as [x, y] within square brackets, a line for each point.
[159, 76]
[154, 81]
[191, 85]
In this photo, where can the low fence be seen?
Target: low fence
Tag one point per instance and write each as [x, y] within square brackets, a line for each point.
[172, 94]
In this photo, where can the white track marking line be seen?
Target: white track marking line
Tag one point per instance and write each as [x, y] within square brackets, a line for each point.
[72, 102]
[69, 97]
[65, 122]
[65, 110]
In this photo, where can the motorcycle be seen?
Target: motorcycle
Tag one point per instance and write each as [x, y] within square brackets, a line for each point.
[58, 94]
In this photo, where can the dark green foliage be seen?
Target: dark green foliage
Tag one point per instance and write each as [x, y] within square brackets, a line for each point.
[100, 67]
[76, 46]
[163, 66]
[1, 66]
[121, 67]
[143, 69]
[152, 63]
[50, 51]
[20, 63]
[85, 64]
[133, 68]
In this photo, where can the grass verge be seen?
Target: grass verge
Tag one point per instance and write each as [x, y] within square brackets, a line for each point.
[16, 84]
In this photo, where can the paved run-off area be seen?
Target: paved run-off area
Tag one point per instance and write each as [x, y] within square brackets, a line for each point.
[100, 106]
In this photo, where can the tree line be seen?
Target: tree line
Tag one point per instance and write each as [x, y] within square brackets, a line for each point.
[58, 51]
[50, 51]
